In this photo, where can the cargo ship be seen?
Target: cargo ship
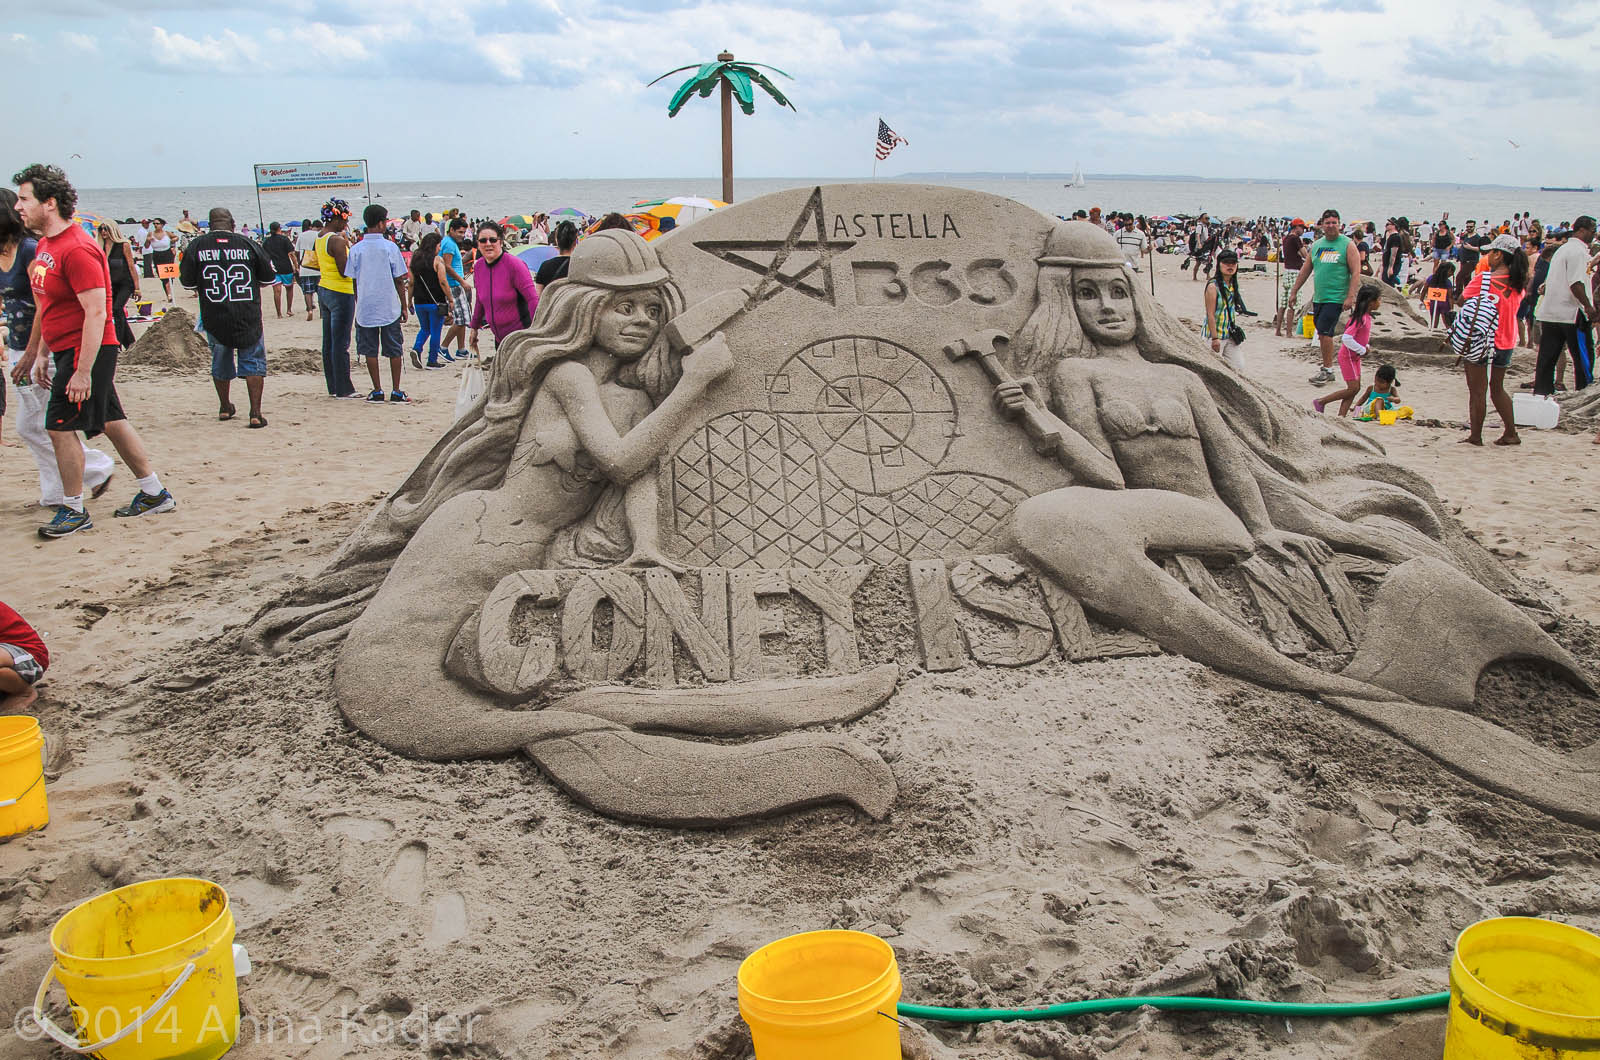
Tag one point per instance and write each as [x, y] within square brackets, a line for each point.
[1586, 187]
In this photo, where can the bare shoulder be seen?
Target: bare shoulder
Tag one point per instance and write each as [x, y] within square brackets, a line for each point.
[567, 379]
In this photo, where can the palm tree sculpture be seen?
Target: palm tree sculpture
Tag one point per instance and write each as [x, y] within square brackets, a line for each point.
[736, 79]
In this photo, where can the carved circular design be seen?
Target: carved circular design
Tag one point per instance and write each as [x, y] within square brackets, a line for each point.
[878, 415]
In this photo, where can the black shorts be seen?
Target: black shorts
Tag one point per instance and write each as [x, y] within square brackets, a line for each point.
[386, 338]
[89, 416]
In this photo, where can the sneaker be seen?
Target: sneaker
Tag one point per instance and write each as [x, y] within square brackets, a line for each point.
[433, 362]
[416, 359]
[144, 504]
[352, 396]
[66, 522]
[376, 397]
[446, 355]
[399, 398]
[1322, 378]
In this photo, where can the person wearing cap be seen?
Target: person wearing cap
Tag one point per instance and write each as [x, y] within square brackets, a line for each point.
[1505, 274]
[1222, 304]
[555, 466]
[1334, 265]
[506, 296]
[1292, 258]
[1565, 296]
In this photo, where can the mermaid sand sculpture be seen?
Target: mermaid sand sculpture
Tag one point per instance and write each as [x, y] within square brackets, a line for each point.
[622, 452]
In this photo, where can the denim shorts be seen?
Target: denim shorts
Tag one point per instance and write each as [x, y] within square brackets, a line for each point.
[1326, 317]
[309, 284]
[252, 360]
[1501, 358]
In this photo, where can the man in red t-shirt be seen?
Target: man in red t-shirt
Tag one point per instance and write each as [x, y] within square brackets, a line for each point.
[73, 329]
[23, 660]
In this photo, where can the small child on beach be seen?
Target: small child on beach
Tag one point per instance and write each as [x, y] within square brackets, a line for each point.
[23, 660]
[1383, 394]
[1352, 347]
[1443, 279]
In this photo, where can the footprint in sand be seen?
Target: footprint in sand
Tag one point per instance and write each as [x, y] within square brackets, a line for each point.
[405, 882]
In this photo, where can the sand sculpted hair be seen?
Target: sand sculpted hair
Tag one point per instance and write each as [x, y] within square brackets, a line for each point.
[1361, 503]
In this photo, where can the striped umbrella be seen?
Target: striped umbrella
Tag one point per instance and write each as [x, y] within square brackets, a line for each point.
[684, 208]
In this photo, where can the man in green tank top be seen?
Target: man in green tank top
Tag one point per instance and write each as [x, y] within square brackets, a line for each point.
[1335, 270]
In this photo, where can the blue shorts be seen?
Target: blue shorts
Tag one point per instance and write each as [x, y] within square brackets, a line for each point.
[251, 361]
[1326, 317]
[384, 339]
[309, 284]
[1501, 358]
[285, 279]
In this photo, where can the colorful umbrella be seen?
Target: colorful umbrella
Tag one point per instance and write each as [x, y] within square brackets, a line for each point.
[521, 220]
[567, 213]
[685, 208]
[533, 257]
[89, 221]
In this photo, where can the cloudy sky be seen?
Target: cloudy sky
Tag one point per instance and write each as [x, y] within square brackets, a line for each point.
[164, 92]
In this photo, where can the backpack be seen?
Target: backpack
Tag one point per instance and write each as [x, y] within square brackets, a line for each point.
[1472, 335]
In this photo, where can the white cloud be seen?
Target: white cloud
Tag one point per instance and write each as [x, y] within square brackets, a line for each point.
[227, 52]
[80, 41]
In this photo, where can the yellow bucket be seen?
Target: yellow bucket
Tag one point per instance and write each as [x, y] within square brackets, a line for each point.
[22, 801]
[822, 995]
[1524, 988]
[1308, 326]
[1387, 416]
[149, 970]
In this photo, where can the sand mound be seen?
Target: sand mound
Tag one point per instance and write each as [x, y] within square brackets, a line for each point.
[172, 345]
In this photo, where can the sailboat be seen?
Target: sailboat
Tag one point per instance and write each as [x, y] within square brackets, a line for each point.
[1077, 177]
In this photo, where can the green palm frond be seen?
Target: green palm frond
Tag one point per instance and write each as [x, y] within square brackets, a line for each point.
[741, 78]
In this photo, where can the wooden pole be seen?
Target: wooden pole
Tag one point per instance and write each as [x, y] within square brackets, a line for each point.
[727, 132]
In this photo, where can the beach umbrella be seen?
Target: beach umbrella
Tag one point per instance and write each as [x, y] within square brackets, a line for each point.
[521, 220]
[685, 208]
[88, 220]
[533, 257]
[567, 213]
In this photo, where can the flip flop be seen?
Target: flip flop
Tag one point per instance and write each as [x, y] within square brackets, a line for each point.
[95, 493]
[226, 412]
[257, 422]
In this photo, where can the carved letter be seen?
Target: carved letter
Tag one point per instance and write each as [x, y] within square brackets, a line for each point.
[667, 614]
[627, 625]
[839, 226]
[831, 591]
[508, 668]
[935, 614]
[749, 623]
[950, 227]
[1031, 641]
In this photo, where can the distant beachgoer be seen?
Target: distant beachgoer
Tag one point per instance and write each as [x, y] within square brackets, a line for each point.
[308, 275]
[1333, 265]
[455, 336]
[378, 273]
[72, 289]
[23, 661]
[1397, 246]
[555, 268]
[336, 297]
[1440, 311]
[1134, 242]
[227, 270]
[1202, 244]
[507, 298]
[1292, 257]
[1506, 276]
[158, 251]
[1353, 345]
[279, 249]
[411, 229]
[1222, 301]
[1566, 294]
[613, 221]
[430, 297]
[124, 278]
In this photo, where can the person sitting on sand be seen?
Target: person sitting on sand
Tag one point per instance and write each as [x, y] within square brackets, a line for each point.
[1383, 394]
[23, 661]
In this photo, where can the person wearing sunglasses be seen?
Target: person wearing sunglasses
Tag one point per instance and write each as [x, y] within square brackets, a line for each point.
[506, 296]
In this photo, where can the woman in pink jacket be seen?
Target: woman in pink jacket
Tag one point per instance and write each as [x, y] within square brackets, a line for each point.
[506, 295]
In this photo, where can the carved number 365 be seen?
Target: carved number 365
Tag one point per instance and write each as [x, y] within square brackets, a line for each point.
[986, 281]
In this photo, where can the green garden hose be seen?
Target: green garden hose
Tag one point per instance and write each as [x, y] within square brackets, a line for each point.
[1178, 1004]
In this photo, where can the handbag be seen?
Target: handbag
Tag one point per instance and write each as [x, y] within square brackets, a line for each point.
[474, 381]
[1236, 334]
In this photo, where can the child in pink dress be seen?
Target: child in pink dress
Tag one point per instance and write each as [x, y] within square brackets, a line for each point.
[1352, 347]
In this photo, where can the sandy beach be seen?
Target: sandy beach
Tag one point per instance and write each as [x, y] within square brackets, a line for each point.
[1147, 826]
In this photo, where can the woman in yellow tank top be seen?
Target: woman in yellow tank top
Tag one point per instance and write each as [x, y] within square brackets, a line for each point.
[336, 296]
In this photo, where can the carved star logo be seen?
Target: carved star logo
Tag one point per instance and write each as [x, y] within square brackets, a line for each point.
[774, 278]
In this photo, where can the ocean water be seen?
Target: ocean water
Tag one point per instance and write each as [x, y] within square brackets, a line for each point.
[1150, 196]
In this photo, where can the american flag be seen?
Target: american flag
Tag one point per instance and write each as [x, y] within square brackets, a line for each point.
[888, 140]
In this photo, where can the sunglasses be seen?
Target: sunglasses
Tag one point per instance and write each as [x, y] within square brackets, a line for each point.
[488, 239]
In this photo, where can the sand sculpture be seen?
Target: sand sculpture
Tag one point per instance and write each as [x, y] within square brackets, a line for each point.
[731, 487]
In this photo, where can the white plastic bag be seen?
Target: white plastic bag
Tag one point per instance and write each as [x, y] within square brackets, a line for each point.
[474, 380]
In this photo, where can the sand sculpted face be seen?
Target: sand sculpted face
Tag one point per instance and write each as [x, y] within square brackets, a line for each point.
[733, 486]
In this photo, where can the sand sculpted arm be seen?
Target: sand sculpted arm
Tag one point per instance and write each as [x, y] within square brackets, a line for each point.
[624, 457]
[1084, 449]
